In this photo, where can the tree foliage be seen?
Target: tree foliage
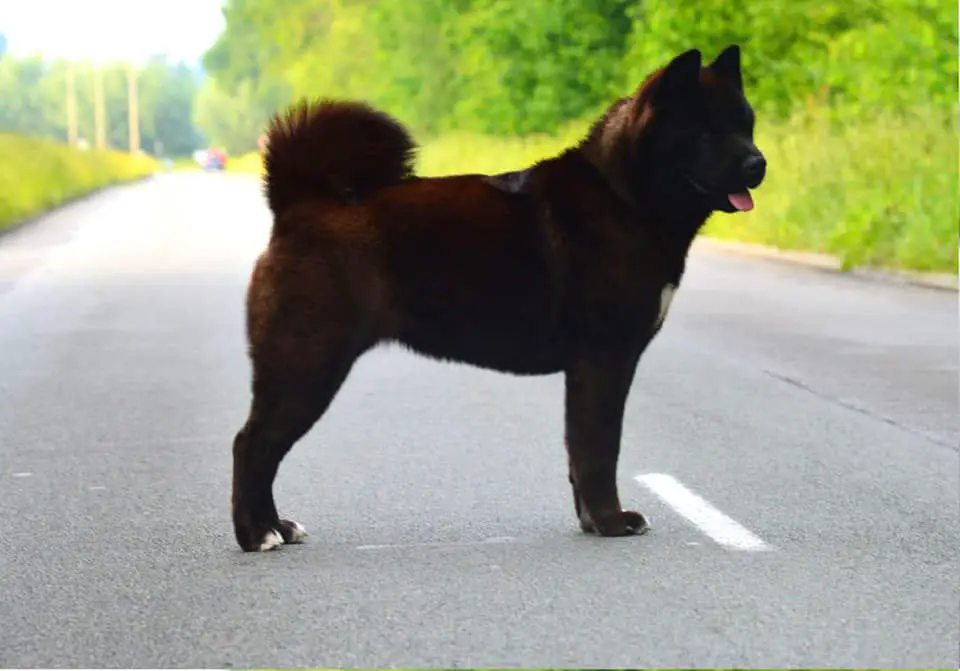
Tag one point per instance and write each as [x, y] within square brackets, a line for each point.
[503, 67]
[34, 94]
[234, 118]
[527, 66]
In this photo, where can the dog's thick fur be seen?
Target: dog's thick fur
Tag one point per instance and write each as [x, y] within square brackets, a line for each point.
[567, 266]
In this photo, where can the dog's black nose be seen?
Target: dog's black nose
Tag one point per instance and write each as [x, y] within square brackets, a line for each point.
[754, 169]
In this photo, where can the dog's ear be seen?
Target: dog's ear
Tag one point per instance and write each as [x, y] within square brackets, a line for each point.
[727, 66]
[681, 77]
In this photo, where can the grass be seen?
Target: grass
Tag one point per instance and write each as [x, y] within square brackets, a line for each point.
[876, 193]
[461, 152]
[38, 174]
[247, 163]
[882, 192]
[184, 163]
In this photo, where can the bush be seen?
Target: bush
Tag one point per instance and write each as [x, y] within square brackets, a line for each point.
[250, 163]
[880, 192]
[38, 174]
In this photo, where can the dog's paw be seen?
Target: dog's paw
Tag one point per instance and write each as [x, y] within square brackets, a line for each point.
[634, 523]
[292, 532]
[270, 541]
[623, 523]
[263, 537]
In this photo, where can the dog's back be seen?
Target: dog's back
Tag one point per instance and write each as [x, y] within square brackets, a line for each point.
[466, 268]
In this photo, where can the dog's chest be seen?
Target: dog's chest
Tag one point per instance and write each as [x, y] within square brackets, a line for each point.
[666, 297]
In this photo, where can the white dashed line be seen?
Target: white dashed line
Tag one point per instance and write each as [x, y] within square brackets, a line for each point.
[22, 475]
[709, 520]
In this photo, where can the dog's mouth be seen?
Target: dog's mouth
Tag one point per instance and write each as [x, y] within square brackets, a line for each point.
[740, 200]
[743, 201]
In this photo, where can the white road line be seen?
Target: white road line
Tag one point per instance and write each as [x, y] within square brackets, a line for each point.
[709, 520]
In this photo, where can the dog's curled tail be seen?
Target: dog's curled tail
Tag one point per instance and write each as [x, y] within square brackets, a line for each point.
[340, 150]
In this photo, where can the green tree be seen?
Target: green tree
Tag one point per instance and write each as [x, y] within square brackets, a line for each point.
[526, 66]
[23, 108]
[871, 53]
[232, 120]
[167, 93]
[530, 65]
[901, 61]
[34, 94]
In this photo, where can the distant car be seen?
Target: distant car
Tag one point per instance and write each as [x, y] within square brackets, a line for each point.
[216, 160]
[210, 159]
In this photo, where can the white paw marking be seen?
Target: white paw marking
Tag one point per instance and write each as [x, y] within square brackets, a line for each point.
[271, 541]
[666, 297]
[299, 533]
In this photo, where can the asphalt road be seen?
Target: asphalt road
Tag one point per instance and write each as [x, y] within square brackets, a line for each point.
[792, 434]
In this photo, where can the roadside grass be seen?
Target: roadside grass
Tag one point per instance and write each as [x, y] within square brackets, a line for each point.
[465, 152]
[881, 192]
[38, 174]
[184, 163]
[251, 164]
[876, 193]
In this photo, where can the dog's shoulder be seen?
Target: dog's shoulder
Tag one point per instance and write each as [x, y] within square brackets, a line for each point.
[510, 182]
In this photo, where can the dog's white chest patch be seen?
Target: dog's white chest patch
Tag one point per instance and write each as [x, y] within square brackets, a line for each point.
[666, 297]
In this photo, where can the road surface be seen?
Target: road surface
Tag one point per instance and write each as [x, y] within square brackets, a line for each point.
[792, 434]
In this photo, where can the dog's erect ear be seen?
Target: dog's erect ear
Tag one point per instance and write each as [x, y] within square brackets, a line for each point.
[727, 66]
[681, 76]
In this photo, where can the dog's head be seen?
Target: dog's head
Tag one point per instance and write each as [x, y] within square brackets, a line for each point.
[686, 136]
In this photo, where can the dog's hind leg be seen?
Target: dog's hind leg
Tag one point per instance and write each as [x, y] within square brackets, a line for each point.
[597, 387]
[577, 506]
[284, 408]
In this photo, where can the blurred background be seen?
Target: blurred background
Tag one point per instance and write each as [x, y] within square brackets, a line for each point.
[856, 100]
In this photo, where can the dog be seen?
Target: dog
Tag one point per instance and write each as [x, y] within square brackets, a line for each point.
[566, 267]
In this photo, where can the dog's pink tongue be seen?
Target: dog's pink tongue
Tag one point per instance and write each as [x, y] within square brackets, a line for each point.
[741, 201]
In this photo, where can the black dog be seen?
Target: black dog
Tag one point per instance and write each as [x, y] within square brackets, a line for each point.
[568, 266]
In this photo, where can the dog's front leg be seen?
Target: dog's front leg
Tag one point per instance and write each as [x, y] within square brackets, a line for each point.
[597, 386]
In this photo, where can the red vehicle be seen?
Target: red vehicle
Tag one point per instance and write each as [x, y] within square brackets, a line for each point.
[215, 160]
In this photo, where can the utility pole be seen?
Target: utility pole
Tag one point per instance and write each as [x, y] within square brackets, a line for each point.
[133, 110]
[99, 109]
[71, 106]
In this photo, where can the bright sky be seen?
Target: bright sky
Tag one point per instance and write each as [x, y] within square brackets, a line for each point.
[104, 30]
